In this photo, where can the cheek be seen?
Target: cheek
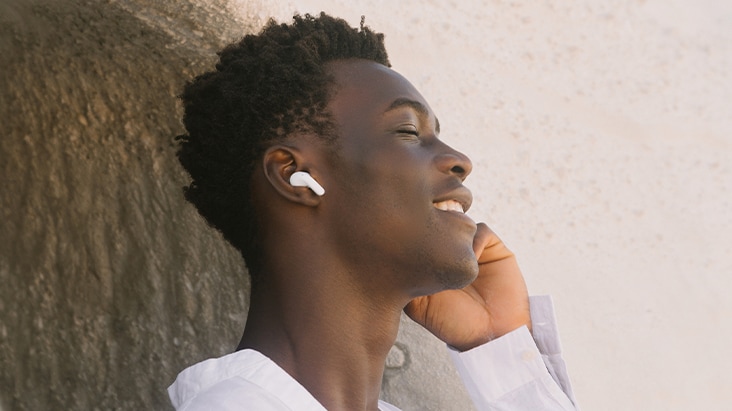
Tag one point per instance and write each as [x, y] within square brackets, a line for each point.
[382, 193]
[405, 201]
[384, 216]
[394, 181]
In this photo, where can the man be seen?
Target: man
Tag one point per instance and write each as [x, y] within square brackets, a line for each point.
[324, 167]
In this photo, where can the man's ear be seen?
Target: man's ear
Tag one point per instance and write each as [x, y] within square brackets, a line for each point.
[280, 162]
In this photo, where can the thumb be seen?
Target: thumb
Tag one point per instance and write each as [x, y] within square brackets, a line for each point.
[481, 239]
[492, 249]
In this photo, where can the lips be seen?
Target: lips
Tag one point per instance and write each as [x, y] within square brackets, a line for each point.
[457, 201]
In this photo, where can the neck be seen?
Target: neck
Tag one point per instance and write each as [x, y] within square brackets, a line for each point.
[331, 337]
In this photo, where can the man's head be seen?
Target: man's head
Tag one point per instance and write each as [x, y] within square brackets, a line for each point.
[318, 96]
[395, 199]
[265, 88]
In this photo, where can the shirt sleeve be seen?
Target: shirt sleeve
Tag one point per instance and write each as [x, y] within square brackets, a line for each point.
[517, 372]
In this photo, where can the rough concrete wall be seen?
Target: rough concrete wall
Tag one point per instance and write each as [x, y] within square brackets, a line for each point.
[109, 283]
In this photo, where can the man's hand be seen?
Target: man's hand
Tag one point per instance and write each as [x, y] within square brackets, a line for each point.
[493, 305]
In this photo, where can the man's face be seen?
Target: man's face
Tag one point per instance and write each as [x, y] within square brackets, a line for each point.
[394, 191]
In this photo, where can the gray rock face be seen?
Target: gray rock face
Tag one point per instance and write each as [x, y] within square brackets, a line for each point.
[109, 282]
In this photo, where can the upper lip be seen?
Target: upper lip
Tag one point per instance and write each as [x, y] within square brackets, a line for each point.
[461, 194]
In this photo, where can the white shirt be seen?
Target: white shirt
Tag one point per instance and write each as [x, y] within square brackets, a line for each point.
[514, 372]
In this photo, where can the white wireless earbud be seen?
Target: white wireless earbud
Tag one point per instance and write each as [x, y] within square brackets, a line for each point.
[304, 179]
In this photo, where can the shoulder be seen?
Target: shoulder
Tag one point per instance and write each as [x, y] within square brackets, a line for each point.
[234, 394]
[242, 380]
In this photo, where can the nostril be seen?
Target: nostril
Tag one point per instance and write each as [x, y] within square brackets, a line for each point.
[458, 170]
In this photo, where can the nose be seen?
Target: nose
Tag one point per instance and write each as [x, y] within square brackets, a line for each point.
[451, 161]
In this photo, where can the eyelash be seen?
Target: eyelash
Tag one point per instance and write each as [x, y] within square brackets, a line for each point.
[410, 132]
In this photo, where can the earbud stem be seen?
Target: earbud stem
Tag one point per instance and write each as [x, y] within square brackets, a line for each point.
[304, 179]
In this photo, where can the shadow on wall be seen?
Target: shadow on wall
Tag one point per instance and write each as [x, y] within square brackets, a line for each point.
[111, 284]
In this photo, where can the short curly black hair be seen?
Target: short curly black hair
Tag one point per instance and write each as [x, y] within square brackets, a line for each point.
[264, 88]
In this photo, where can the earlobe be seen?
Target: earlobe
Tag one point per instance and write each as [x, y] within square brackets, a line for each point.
[280, 164]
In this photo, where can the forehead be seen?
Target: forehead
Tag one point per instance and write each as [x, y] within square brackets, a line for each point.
[368, 87]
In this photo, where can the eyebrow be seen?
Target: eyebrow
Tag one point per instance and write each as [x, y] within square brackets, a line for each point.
[414, 105]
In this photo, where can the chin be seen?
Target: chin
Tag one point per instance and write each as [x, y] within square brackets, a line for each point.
[459, 276]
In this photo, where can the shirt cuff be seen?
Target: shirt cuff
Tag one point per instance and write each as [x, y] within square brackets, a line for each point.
[500, 366]
[544, 325]
[517, 363]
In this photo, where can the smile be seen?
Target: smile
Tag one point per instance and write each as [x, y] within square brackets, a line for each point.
[449, 205]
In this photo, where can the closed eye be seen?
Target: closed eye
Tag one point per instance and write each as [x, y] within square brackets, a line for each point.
[408, 130]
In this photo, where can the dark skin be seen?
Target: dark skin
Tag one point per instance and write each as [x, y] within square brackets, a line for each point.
[387, 236]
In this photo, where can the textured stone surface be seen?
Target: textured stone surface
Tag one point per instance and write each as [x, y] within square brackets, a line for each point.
[110, 283]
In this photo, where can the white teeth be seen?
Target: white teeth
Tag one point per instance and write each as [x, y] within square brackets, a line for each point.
[449, 205]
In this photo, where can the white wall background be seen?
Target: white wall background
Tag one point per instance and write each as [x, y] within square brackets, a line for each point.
[601, 134]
